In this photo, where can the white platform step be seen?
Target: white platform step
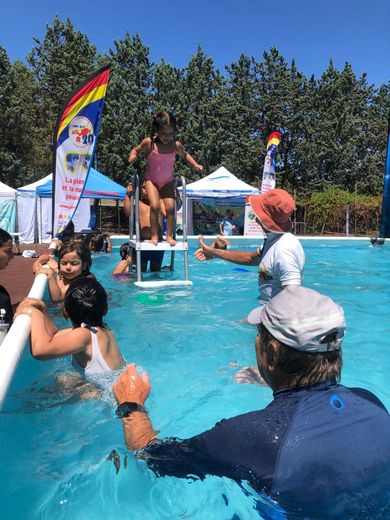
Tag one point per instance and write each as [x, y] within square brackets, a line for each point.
[146, 245]
[162, 283]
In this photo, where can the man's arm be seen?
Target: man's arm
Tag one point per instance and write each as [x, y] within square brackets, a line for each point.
[206, 252]
[137, 427]
[126, 204]
[212, 452]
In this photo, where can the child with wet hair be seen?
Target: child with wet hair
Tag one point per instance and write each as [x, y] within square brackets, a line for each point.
[219, 243]
[90, 342]
[100, 243]
[127, 255]
[74, 261]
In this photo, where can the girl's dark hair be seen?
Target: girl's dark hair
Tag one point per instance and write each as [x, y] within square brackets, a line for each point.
[86, 302]
[124, 250]
[4, 236]
[78, 237]
[82, 251]
[96, 243]
[160, 120]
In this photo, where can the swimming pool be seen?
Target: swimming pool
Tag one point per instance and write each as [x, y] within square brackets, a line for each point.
[54, 449]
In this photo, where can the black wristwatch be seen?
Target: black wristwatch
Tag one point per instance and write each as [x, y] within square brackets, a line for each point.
[125, 409]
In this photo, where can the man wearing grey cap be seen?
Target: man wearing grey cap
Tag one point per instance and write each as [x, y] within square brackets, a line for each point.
[319, 450]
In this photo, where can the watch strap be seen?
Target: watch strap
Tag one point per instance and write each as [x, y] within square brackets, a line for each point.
[127, 408]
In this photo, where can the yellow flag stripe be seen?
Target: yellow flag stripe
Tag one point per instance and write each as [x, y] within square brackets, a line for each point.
[92, 96]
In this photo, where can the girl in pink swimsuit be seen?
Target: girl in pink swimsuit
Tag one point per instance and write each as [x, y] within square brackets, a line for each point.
[160, 150]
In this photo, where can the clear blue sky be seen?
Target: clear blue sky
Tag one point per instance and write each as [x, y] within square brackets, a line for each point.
[311, 31]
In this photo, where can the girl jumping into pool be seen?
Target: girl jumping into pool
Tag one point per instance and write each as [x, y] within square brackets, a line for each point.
[92, 345]
[74, 261]
[160, 150]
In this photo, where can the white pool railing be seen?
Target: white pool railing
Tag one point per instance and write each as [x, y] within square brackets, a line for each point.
[13, 345]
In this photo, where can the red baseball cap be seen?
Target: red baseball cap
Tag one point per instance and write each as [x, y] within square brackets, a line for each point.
[274, 209]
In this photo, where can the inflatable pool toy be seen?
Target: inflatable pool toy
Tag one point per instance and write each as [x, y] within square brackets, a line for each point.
[150, 299]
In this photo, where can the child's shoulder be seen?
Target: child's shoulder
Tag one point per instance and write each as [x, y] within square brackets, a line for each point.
[146, 142]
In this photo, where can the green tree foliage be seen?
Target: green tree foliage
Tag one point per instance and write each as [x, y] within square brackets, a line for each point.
[327, 211]
[200, 114]
[334, 127]
[127, 115]
[241, 121]
[166, 92]
[59, 62]
[17, 115]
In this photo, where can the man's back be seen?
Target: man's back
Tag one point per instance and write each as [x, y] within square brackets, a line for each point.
[321, 452]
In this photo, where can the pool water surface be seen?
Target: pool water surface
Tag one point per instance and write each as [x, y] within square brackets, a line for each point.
[54, 448]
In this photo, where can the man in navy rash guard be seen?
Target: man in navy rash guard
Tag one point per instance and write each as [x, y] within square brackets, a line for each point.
[319, 449]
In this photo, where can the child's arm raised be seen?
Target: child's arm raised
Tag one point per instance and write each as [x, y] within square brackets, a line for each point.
[188, 157]
[48, 345]
[54, 289]
[142, 148]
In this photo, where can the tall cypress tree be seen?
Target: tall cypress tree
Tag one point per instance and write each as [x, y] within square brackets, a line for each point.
[127, 114]
[200, 113]
[59, 62]
[166, 88]
[241, 121]
[17, 116]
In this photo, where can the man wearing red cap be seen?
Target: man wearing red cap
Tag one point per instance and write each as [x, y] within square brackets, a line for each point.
[281, 259]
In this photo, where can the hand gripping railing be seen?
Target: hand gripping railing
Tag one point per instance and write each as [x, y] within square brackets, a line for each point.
[12, 347]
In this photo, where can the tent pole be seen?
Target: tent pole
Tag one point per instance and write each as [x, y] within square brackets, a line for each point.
[118, 216]
[40, 226]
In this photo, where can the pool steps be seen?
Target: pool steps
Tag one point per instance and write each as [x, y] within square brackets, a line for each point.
[146, 245]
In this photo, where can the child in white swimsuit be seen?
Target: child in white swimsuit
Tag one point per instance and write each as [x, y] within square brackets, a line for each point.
[92, 345]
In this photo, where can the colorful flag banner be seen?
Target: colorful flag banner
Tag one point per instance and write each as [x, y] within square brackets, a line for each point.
[74, 143]
[268, 180]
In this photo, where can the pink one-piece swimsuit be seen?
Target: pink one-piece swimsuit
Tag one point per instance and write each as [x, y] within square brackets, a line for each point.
[160, 167]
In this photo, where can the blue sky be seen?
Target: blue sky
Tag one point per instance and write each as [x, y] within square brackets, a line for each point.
[311, 31]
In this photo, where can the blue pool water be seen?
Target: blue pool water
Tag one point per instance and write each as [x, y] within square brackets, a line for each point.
[54, 449]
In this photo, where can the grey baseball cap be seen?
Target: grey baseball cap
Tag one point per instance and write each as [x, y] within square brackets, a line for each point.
[304, 320]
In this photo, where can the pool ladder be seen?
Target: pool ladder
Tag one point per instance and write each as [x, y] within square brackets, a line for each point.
[146, 245]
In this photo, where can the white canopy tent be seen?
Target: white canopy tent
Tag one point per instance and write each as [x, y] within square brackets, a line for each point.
[7, 208]
[34, 213]
[222, 186]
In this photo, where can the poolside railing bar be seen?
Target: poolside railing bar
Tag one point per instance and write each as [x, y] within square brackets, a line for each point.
[13, 345]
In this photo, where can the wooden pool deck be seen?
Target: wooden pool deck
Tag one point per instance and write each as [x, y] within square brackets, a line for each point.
[18, 277]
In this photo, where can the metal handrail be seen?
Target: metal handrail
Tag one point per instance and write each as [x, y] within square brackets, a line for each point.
[13, 345]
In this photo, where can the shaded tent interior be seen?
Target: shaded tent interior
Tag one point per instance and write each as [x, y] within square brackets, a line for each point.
[35, 205]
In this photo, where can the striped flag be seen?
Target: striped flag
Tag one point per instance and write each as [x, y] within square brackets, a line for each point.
[74, 143]
[268, 180]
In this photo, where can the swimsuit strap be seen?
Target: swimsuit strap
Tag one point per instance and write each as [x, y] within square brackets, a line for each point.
[91, 329]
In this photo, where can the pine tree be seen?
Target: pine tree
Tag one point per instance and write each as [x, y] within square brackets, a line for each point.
[200, 114]
[241, 153]
[17, 114]
[127, 114]
[166, 88]
[63, 59]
